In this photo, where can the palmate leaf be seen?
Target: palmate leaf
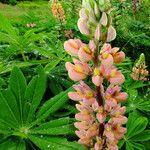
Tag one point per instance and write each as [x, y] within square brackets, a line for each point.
[21, 115]
[55, 143]
[136, 133]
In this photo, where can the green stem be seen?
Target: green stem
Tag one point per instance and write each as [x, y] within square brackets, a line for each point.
[23, 56]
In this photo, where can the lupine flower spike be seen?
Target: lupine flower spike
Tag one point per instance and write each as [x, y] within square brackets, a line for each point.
[57, 10]
[139, 70]
[100, 117]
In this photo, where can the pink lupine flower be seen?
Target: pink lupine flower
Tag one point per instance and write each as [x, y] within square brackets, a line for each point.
[111, 35]
[82, 125]
[119, 119]
[113, 75]
[99, 144]
[100, 113]
[104, 19]
[79, 71]
[106, 48]
[100, 117]
[97, 78]
[82, 107]
[108, 132]
[82, 14]
[93, 130]
[109, 103]
[107, 59]
[113, 91]
[92, 46]
[119, 131]
[98, 33]
[117, 115]
[83, 92]
[112, 146]
[84, 116]
[85, 54]
[118, 57]
[72, 46]
[83, 26]
[85, 141]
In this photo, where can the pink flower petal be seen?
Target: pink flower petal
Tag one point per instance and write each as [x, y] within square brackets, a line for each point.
[104, 19]
[97, 80]
[120, 120]
[119, 57]
[75, 96]
[121, 97]
[108, 62]
[76, 76]
[118, 79]
[83, 56]
[83, 26]
[69, 66]
[111, 35]
[81, 125]
[88, 101]
[101, 117]
[98, 32]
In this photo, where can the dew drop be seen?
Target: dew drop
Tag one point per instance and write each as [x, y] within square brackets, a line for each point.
[48, 146]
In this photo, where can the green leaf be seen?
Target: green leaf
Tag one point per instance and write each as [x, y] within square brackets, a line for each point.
[13, 145]
[138, 146]
[51, 65]
[61, 130]
[61, 80]
[121, 143]
[55, 143]
[135, 125]
[18, 86]
[29, 93]
[55, 87]
[7, 38]
[4, 129]
[35, 93]
[129, 146]
[7, 27]
[8, 145]
[54, 123]
[12, 102]
[6, 112]
[51, 106]
[143, 136]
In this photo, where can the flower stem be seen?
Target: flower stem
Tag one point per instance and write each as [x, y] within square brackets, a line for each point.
[99, 97]
[98, 88]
